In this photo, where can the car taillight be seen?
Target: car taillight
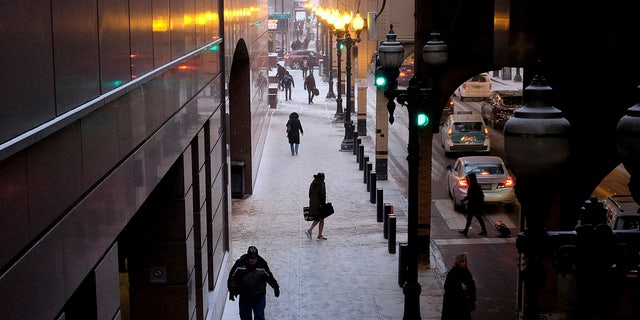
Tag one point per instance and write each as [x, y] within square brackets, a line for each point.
[462, 183]
[508, 183]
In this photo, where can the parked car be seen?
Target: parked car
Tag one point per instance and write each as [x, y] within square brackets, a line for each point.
[478, 86]
[493, 176]
[293, 59]
[622, 212]
[465, 131]
[500, 107]
[406, 71]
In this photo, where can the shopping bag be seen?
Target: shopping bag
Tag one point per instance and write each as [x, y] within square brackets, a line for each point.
[305, 213]
[316, 92]
[326, 209]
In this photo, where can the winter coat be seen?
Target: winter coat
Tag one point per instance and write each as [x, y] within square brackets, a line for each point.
[250, 281]
[310, 83]
[475, 197]
[317, 196]
[454, 302]
[294, 129]
[288, 81]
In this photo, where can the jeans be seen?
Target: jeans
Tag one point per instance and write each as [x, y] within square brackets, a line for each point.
[247, 306]
[287, 93]
[311, 95]
[294, 148]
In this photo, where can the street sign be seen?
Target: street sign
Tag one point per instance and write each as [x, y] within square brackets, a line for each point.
[272, 24]
[281, 15]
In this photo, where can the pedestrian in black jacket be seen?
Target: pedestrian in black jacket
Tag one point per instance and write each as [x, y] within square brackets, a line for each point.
[288, 82]
[317, 198]
[310, 86]
[248, 279]
[475, 203]
[459, 291]
[294, 130]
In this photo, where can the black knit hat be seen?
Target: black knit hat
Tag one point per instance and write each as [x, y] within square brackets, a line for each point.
[252, 252]
[320, 175]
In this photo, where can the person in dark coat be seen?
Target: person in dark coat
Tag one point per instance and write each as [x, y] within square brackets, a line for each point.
[294, 130]
[248, 279]
[280, 73]
[475, 204]
[317, 197]
[459, 291]
[310, 86]
[288, 83]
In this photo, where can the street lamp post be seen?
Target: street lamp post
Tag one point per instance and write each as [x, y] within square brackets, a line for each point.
[347, 142]
[417, 98]
[330, 93]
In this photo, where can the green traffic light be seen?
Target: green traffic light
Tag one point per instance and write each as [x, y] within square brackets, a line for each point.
[423, 120]
[342, 46]
[381, 81]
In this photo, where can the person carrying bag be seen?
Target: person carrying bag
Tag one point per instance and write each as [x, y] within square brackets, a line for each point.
[317, 198]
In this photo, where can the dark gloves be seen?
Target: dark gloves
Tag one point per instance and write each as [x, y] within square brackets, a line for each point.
[232, 296]
[276, 291]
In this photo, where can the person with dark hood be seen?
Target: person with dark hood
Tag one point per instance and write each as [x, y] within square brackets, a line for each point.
[474, 203]
[248, 279]
[317, 198]
[280, 73]
[459, 291]
[294, 130]
[310, 86]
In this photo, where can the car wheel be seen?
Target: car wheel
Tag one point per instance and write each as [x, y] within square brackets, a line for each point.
[295, 65]
[456, 207]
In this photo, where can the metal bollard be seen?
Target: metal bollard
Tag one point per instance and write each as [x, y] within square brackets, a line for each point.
[371, 186]
[361, 157]
[380, 205]
[367, 173]
[355, 141]
[392, 233]
[356, 148]
[388, 209]
[402, 264]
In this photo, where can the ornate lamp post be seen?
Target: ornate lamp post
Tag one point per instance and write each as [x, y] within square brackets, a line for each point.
[536, 146]
[339, 29]
[358, 24]
[417, 99]
[629, 146]
[327, 22]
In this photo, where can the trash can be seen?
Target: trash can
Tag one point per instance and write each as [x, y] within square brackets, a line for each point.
[273, 95]
[237, 179]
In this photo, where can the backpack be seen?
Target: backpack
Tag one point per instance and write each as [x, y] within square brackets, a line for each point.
[288, 79]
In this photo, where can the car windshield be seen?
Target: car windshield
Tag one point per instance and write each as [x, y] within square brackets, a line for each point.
[467, 126]
[483, 169]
